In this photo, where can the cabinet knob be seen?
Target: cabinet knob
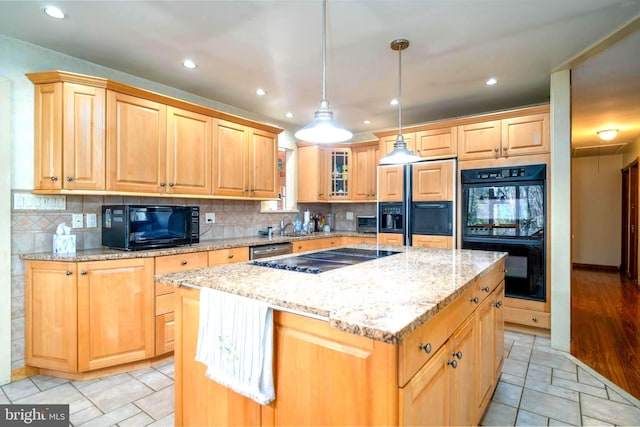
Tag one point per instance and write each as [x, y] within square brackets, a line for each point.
[535, 319]
[68, 273]
[299, 246]
[184, 262]
[457, 354]
[230, 256]
[475, 300]
[498, 304]
[452, 363]
[69, 178]
[162, 184]
[497, 151]
[504, 151]
[426, 347]
[251, 190]
[486, 289]
[83, 272]
[54, 178]
[171, 184]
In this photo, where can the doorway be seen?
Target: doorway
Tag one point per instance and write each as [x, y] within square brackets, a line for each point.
[629, 226]
[5, 231]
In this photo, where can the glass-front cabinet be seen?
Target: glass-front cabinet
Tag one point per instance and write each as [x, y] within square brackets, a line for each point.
[339, 164]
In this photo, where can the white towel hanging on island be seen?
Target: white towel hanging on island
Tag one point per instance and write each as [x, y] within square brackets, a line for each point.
[235, 342]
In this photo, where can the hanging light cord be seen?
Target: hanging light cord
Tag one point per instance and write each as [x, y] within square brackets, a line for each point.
[399, 91]
[324, 50]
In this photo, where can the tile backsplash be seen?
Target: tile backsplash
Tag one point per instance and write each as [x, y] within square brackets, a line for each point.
[32, 231]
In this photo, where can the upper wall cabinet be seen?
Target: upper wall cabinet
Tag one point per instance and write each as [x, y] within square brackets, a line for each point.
[96, 136]
[69, 137]
[365, 165]
[312, 174]
[386, 142]
[441, 142]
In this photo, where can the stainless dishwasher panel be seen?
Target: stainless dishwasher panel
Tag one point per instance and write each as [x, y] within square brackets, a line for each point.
[274, 249]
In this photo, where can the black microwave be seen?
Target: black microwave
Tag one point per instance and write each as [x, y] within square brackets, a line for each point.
[432, 218]
[136, 227]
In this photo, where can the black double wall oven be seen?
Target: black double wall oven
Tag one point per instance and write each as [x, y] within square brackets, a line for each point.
[504, 209]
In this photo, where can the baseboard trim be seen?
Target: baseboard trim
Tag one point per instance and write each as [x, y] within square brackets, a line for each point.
[23, 372]
[607, 268]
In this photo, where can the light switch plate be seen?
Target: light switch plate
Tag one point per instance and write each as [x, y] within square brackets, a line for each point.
[210, 218]
[91, 220]
[349, 215]
[76, 221]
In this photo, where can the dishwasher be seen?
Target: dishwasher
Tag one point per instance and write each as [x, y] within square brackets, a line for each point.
[269, 250]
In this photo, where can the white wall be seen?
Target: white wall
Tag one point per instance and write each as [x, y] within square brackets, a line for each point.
[596, 210]
[5, 230]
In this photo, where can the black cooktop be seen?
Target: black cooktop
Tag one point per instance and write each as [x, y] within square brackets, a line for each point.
[318, 262]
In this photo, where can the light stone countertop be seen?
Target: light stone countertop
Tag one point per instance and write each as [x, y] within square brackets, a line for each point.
[385, 299]
[100, 254]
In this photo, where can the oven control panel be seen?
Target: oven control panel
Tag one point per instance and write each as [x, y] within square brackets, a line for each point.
[501, 173]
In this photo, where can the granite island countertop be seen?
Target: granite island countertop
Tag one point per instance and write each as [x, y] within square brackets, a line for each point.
[384, 299]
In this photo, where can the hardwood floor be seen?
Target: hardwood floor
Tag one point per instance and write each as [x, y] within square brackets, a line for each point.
[605, 326]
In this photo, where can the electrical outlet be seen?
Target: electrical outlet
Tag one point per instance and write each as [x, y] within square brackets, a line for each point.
[349, 215]
[210, 218]
[76, 221]
[91, 220]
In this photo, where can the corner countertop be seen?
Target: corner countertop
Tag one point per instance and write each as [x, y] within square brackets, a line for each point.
[205, 245]
[384, 299]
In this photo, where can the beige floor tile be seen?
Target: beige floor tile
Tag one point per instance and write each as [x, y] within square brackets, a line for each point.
[526, 418]
[606, 410]
[4, 400]
[512, 379]
[102, 384]
[553, 360]
[520, 339]
[79, 405]
[44, 382]
[520, 353]
[515, 367]
[585, 377]
[159, 404]
[550, 406]
[64, 393]
[616, 397]
[155, 379]
[539, 374]
[20, 389]
[509, 394]
[166, 368]
[113, 417]
[499, 414]
[138, 420]
[541, 342]
[167, 421]
[119, 395]
[592, 422]
[557, 423]
[582, 388]
[559, 373]
[553, 390]
[85, 415]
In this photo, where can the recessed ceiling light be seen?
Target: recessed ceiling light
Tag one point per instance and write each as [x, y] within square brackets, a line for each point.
[189, 64]
[261, 92]
[491, 81]
[289, 115]
[367, 122]
[394, 102]
[54, 12]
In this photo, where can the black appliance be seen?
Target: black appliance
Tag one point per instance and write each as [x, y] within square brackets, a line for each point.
[434, 218]
[136, 227]
[391, 217]
[504, 209]
[319, 262]
[366, 224]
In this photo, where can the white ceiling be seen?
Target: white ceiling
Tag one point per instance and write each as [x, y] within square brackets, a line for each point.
[455, 46]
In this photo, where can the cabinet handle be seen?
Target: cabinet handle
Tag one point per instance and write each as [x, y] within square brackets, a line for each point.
[535, 319]
[171, 184]
[426, 347]
[54, 178]
[486, 289]
[452, 363]
[162, 184]
[184, 262]
[299, 246]
[68, 273]
[504, 150]
[498, 304]
[83, 272]
[251, 190]
[457, 354]
[475, 300]
[69, 178]
[497, 150]
[230, 256]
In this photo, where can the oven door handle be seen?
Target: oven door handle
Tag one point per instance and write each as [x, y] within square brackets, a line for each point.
[430, 205]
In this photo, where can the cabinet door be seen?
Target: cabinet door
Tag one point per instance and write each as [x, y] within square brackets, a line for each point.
[425, 400]
[391, 183]
[230, 159]
[363, 182]
[425, 241]
[479, 141]
[485, 351]
[263, 164]
[51, 339]
[188, 152]
[463, 382]
[136, 144]
[386, 143]
[200, 401]
[339, 173]
[115, 312]
[84, 137]
[48, 174]
[525, 135]
[432, 181]
[437, 142]
[309, 188]
[499, 329]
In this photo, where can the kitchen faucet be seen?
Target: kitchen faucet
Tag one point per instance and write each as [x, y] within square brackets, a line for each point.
[284, 225]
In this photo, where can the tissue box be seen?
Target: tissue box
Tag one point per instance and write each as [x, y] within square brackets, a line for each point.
[64, 244]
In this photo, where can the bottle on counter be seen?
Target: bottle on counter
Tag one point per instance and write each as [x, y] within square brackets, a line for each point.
[297, 225]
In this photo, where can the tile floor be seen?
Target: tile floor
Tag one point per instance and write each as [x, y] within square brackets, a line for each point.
[538, 386]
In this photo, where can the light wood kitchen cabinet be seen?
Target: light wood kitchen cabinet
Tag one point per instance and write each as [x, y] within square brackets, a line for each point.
[396, 239]
[227, 256]
[365, 166]
[245, 161]
[88, 315]
[432, 181]
[136, 144]
[316, 244]
[432, 241]
[386, 142]
[391, 183]
[433, 143]
[352, 240]
[340, 173]
[312, 173]
[69, 136]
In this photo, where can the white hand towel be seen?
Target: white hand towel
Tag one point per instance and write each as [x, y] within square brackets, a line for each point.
[235, 341]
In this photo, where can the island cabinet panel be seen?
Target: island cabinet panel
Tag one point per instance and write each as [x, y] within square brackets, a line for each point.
[136, 144]
[51, 330]
[115, 312]
[200, 401]
[391, 183]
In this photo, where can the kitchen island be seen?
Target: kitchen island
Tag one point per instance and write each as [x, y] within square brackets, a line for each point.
[412, 338]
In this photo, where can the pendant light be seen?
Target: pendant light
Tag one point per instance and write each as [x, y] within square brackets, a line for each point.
[400, 154]
[323, 129]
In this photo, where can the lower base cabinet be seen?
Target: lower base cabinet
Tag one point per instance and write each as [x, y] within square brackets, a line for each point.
[430, 241]
[324, 376]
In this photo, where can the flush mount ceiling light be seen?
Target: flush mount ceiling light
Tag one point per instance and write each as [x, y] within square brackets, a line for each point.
[607, 134]
[54, 12]
[323, 129]
[261, 92]
[490, 82]
[189, 64]
[400, 153]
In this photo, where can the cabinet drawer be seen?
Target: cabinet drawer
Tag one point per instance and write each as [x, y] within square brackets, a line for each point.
[390, 239]
[164, 289]
[227, 256]
[165, 303]
[485, 284]
[425, 241]
[172, 263]
[537, 319]
[165, 329]
[315, 244]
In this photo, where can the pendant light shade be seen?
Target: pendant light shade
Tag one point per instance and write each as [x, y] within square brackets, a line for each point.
[323, 129]
[400, 153]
